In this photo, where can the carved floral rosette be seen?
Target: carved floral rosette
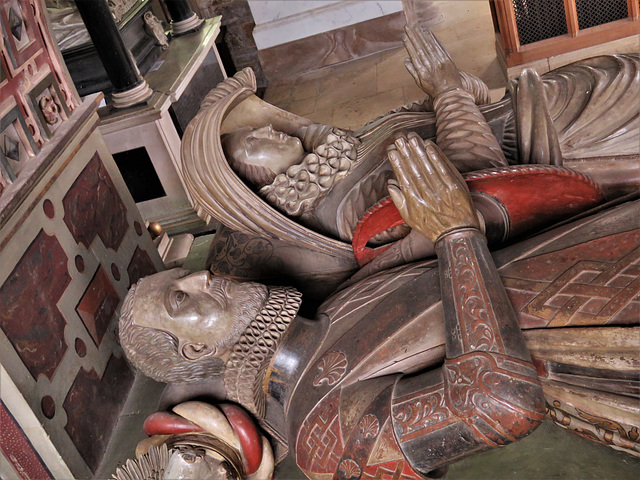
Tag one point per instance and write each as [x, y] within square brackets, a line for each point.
[216, 189]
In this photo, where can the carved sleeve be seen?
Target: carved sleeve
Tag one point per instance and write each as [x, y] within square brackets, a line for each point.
[463, 133]
[487, 393]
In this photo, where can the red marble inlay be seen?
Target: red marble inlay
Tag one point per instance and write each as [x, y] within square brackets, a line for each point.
[140, 266]
[28, 312]
[79, 263]
[48, 406]
[81, 348]
[92, 206]
[98, 305]
[17, 449]
[48, 208]
[93, 405]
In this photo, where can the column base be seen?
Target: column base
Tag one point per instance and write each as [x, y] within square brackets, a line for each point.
[187, 25]
[135, 95]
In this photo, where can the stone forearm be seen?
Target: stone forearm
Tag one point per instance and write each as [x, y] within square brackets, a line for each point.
[487, 393]
[478, 313]
[463, 134]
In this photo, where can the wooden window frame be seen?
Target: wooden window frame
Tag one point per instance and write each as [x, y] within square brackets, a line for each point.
[576, 38]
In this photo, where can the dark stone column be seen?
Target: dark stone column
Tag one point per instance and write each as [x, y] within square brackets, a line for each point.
[183, 19]
[129, 86]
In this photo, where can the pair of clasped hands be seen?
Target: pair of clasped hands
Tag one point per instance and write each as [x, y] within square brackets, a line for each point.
[429, 192]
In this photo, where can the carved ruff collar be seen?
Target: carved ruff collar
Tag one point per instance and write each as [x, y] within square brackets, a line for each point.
[250, 357]
[302, 186]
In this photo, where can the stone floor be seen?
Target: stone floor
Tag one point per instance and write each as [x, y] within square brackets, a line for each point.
[350, 94]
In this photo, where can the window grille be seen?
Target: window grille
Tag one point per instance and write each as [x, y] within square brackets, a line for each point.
[599, 12]
[540, 19]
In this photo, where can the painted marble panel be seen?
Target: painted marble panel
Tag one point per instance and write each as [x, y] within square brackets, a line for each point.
[92, 206]
[17, 448]
[140, 266]
[98, 305]
[28, 313]
[93, 406]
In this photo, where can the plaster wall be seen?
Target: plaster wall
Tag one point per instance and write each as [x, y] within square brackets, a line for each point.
[281, 21]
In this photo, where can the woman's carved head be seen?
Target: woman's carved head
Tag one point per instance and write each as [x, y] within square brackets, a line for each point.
[259, 154]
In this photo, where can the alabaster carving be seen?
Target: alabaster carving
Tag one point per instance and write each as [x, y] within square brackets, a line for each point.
[154, 27]
[68, 26]
[318, 203]
[410, 366]
[174, 303]
[348, 367]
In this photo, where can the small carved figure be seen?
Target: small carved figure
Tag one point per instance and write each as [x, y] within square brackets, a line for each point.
[49, 109]
[154, 27]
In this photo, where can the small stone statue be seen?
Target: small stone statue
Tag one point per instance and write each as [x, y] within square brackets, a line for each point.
[154, 27]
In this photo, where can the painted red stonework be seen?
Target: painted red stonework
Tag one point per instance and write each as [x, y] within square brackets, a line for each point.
[93, 405]
[93, 207]
[140, 266]
[589, 284]
[98, 305]
[28, 313]
[17, 448]
[320, 445]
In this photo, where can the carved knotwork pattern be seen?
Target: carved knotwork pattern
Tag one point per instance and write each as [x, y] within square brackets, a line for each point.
[394, 470]
[476, 317]
[319, 446]
[331, 368]
[589, 292]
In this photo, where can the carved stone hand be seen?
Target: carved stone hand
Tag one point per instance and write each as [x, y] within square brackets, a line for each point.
[429, 192]
[429, 64]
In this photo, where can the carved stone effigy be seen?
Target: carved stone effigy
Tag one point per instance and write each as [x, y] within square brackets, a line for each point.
[323, 218]
[410, 368]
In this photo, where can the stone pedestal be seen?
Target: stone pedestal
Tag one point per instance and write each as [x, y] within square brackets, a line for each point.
[150, 134]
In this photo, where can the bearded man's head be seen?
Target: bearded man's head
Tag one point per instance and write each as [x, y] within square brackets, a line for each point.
[180, 327]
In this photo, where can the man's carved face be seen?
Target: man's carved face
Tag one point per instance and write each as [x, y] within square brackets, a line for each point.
[207, 314]
[268, 148]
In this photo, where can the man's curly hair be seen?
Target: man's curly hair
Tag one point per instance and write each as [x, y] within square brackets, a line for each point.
[155, 352]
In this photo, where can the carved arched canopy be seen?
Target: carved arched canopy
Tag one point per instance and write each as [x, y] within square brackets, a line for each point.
[217, 190]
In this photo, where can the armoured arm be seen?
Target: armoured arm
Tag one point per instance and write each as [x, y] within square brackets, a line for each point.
[487, 393]
[462, 132]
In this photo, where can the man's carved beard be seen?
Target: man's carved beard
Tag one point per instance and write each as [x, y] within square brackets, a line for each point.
[248, 301]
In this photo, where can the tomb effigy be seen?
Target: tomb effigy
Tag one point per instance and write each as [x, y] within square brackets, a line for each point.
[415, 363]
